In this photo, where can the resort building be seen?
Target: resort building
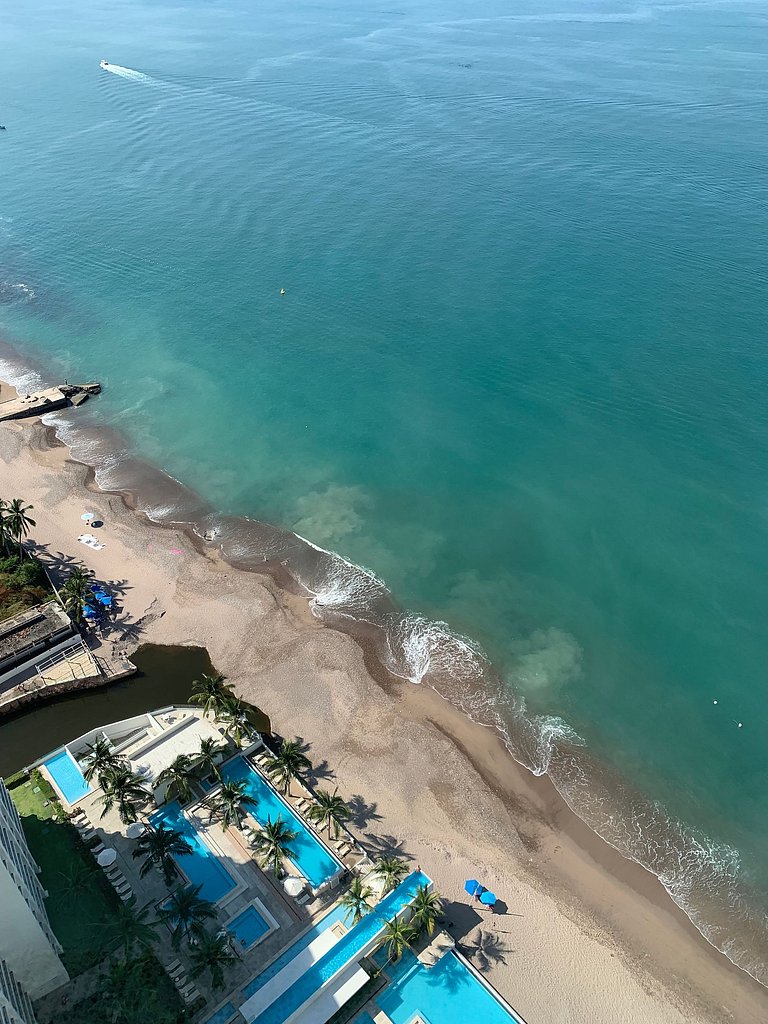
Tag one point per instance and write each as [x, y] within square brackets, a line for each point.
[303, 952]
[28, 948]
[15, 1004]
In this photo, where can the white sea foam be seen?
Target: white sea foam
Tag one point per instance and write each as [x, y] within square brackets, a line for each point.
[135, 76]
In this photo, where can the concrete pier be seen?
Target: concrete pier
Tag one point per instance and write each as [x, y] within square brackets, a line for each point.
[47, 400]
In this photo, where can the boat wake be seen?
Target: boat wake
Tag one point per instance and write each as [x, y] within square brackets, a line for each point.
[117, 69]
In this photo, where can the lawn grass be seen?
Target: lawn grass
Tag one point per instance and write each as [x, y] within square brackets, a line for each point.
[82, 916]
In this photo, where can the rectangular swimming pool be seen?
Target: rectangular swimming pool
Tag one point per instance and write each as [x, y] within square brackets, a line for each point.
[442, 994]
[201, 866]
[311, 858]
[342, 953]
[248, 927]
[65, 772]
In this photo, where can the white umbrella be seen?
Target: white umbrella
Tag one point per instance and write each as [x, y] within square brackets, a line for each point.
[88, 516]
[294, 886]
[135, 830]
[106, 857]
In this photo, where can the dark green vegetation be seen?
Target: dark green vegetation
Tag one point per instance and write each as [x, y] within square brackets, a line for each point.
[23, 584]
[92, 925]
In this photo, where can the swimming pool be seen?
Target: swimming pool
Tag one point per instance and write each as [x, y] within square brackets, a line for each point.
[248, 927]
[65, 772]
[223, 1015]
[201, 866]
[350, 946]
[442, 994]
[330, 919]
[311, 858]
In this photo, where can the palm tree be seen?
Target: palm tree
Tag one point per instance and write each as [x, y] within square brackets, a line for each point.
[17, 522]
[76, 592]
[123, 788]
[398, 936]
[287, 765]
[4, 531]
[211, 694]
[185, 912]
[230, 802]
[100, 759]
[329, 810]
[206, 757]
[426, 909]
[273, 845]
[391, 870]
[235, 715]
[78, 879]
[158, 847]
[211, 953]
[178, 777]
[134, 928]
[355, 899]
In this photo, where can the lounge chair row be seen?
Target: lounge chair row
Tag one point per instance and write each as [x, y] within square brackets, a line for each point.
[119, 883]
[187, 989]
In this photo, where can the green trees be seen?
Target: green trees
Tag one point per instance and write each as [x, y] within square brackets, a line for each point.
[206, 757]
[235, 716]
[76, 592]
[15, 521]
[100, 759]
[391, 870]
[426, 909]
[185, 912]
[355, 899]
[329, 810]
[178, 777]
[288, 764]
[211, 694]
[398, 936]
[158, 847]
[211, 953]
[230, 803]
[134, 927]
[273, 845]
[122, 788]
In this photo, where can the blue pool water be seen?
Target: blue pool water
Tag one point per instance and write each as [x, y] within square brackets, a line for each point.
[446, 993]
[311, 857]
[222, 1015]
[337, 914]
[344, 951]
[66, 774]
[248, 926]
[201, 866]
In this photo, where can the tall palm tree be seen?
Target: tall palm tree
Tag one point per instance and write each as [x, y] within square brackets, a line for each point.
[134, 927]
[329, 810]
[158, 847]
[211, 953]
[122, 788]
[100, 759]
[235, 715]
[230, 803]
[211, 693]
[398, 936]
[288, 764]
[391, 870]
[205, 758]
[4, 531]
[77, 880]
[77, 592]
[273, 845]
[355, 899]
[426, 909]
[178, 777]
[17, 522]
[185, 912]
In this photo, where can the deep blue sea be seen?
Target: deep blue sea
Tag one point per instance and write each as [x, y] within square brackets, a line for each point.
[518, 372]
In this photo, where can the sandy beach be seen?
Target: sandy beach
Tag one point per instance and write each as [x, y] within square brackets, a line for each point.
[583, 936]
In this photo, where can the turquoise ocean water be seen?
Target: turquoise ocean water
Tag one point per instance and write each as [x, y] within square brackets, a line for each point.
[518, 373]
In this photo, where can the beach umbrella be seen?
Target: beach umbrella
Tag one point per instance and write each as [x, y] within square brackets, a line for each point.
[135, 830]
[90, 613]
[105, 599]
[488, 898]
[294, 886]
[88, 516]
[471, 886]
[106, 857]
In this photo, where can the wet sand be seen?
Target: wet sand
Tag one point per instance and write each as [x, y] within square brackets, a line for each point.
[583, 935]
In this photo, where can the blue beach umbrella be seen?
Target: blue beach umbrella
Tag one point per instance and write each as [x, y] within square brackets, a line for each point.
[106, 600]
[471, 886]
[91, 613]
[488, 898]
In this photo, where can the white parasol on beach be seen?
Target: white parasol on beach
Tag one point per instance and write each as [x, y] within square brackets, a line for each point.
[294, 886]
[88, 516]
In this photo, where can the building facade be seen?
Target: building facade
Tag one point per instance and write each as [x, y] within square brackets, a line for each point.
[28, 947]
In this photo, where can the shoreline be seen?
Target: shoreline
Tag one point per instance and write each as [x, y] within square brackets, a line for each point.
[588, 912]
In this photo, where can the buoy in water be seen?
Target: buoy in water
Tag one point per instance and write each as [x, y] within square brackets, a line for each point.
[282, 291]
